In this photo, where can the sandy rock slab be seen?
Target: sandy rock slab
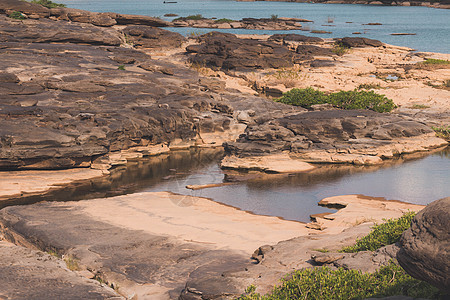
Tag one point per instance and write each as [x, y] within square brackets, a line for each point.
[31, 274]
[148, 244]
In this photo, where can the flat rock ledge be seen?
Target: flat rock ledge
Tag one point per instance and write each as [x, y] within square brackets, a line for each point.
[163, 245]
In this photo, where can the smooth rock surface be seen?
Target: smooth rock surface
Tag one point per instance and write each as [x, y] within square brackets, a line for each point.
[425, 247]
[32, 274]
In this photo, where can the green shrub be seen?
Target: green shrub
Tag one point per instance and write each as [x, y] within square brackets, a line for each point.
[322, 283]
[442, 132]
[369, 86]
[224, 20]
[344, 99]
[303, 97]
[121, 67]
[382, 234]
[361, 100]
[433, 61]
[16, 15]
[274, 17]
[48, 3]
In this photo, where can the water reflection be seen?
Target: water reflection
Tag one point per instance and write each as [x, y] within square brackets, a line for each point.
[419, 178]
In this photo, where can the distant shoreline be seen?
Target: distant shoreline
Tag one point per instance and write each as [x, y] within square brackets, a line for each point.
[443, 5]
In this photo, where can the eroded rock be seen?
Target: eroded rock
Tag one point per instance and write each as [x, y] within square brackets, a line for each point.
[425, 247]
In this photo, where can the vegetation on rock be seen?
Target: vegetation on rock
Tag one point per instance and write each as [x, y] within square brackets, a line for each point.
[224, 20]
[442, 132]
[16, 15]
[340, 49]
[343, 99]
[382, 234]
[323, 283]
[432, 61]
[48, 3]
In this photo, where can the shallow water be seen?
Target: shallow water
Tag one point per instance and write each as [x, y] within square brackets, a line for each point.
[432, 26]
[419, 181]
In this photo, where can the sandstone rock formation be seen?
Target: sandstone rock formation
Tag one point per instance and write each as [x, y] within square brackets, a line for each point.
[227, 51]
[425, 247]
[335, 136]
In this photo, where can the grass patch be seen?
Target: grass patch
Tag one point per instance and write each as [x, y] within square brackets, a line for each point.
[343, 99]
[382, 234]
[419, 106]
[368, 86]
[322, 283]
[340, 49]
[71, 263]
[433, 61]
[17, 15]
[322, 250]
[442, 132]
[121, 67]
[48, 3]
[224, 20]
[274, 17]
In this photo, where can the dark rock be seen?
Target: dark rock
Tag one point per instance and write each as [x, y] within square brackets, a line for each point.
[48, 31]
[328, 129]
[24, 7]
[359, 42]
[292, 37]
[425, 247]
[326, 258]
[122, 19]
[152, 37]
[226, 51]
[313, 50]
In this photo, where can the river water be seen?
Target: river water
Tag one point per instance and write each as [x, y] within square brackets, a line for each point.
[431, 26]
[418, 178]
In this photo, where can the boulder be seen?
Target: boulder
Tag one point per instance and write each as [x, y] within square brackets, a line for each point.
[227, 51]
[24, 7]
[292, 37]
[153, 37]
[425, 247]
[359, 42]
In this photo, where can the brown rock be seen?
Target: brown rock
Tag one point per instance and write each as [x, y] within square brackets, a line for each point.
[152, 37]
[425, 247]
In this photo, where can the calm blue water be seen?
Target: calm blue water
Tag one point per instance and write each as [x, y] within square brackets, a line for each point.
[432, 26]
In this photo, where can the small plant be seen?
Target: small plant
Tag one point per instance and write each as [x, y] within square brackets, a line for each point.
[195, 17]
[343, 99]
[382, 234]
[433, 61]
[224, 20]
[16, 15]
[274, 17]
[322, 283]
[71, 263]
[340, 49]
[287, 77]
[446, 83]
[368, 86]
[48, 3]
[322, 250]
[442, 132]
[121, 67]
[419, 106]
